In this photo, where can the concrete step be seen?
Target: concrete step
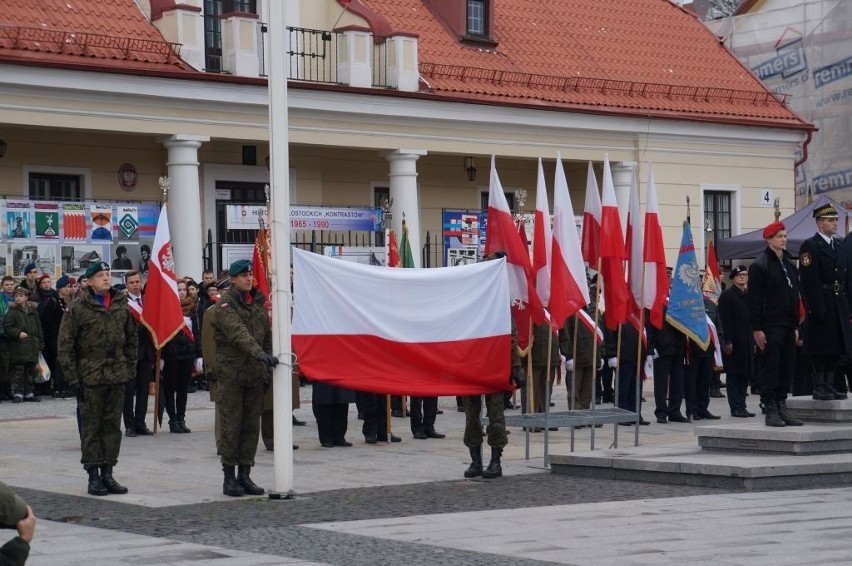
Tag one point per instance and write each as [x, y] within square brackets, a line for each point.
[756, 438]
[807, 409]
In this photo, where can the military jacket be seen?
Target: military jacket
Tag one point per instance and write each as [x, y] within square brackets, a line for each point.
[23, 318]
[824, 281]
[96, 346]
[242, 332]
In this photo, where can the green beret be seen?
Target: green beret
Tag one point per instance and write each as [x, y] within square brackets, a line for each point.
[239, 266]
[96, 267]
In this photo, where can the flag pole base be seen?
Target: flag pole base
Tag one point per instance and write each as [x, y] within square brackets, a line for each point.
[277, 495]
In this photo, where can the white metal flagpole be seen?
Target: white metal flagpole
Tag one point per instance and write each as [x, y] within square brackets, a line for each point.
[280, 228]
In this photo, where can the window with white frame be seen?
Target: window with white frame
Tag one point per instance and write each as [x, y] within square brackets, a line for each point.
[477, 22]
[718, 218]
[55, 186]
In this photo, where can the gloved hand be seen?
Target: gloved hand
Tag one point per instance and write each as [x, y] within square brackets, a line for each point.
[199, 365]
[162, 364]
[612, 362]
[266, 359]
[267, 381]
[655, 355]
[519, 378]
[569, 365]
[600, 364]
[77, 391]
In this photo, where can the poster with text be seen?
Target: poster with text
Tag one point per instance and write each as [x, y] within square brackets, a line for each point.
[18, 220]
[101, 223]
[74, 222]
[127, 220]
[46, 221]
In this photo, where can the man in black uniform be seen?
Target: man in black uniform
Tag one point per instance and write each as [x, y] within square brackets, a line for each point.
[736, 337]
[773, 309]
[824, 283]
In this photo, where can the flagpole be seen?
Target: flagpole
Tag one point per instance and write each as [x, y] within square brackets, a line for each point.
[639, 352]
[595, 346]
[282, 396]
[571, 406]
[617, 383]
[156, 390]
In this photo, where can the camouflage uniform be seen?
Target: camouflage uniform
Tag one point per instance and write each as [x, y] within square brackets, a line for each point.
[208, 352]
[98, 350]
[242, 332]
[23, 354]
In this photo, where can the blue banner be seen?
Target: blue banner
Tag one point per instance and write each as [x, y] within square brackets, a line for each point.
[686, 303]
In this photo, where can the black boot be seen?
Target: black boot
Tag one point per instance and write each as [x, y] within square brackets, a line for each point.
[245, 481]
[182, 425]
[231, 486]
[772, 417]
[475, 468]
[494, 470]
[174, 426]
[788, 419]
[821, 393]
[96, 485]
[111, 485]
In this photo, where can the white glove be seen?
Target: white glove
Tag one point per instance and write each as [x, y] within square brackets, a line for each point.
[612, 362]
[162, 364]
[600, 364]
[569, 365]
[655, 355]
[562, 359]
[649, 366]
[199, 365]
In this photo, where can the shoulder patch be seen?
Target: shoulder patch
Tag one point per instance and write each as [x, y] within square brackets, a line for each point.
[224, 305]
[805, 259]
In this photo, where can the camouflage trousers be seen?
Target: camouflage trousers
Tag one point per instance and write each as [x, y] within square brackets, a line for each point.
[239, 408]
[496, 429]
[22, 379]
[100, 416]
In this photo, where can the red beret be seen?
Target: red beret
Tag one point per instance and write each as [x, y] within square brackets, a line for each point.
[772, 229]
[43, 277]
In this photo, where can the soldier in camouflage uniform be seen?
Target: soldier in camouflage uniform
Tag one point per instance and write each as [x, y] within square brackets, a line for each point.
[243, 366]
[494, 409]
[97, 354]
[26, 339]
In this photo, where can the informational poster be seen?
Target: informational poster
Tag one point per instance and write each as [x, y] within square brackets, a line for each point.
[101, 222]
[46, 221]
[18, 220]
[128, 223]
[464, 236]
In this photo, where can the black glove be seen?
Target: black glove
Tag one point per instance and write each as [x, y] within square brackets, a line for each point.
[77, 390]
[519, 378]
[266, 359]
[267, 380]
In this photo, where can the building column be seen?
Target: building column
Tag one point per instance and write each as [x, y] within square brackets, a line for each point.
[403, 194]
[622, 177]
[184, 200]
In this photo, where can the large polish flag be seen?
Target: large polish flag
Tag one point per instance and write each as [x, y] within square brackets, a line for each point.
[501, 235]
[542, 239]
[569, 288]
[613, 254]
[161, 311]
[591, 220]
[419, 332]
[654, 256]
[634, 256]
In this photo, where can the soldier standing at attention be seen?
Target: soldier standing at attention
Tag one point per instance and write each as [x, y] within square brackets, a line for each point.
[243, 364]
[824, 284]
[97, 354]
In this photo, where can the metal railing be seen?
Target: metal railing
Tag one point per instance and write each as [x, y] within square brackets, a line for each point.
[312, 55]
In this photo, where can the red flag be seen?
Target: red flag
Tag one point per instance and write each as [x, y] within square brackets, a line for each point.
[634, 259]
[542, 240]
[520, 311]
[260, 265]
[654, 256]
[612, 254]
[501, 235]
[712, 285]
[161, 311]
[591, 220]
[393, 250]
[569, 288]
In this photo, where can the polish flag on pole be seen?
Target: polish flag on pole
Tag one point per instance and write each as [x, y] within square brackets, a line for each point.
[520, 311]
[591, 220]
[712, 285]
[634, 259]
[542, 238]
[613, 254]
[569, 288]
[501, 234]
[406, 340]
[654, 256]
[161, 311]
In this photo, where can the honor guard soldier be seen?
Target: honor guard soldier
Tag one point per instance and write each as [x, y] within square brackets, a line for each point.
[824, 277]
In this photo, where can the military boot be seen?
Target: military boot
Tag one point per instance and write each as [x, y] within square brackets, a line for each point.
[820, 392]
[788, 419]
[772, 417]
[475, 468]
[231, 486]
[494, 470]
[109, 482]
[96, 485]
[245, 481]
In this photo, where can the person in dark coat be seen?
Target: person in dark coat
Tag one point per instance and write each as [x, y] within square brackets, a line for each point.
[626, 363]
[50, 313]
[582, 367]
[824, 280]
[26, 340]
[699, 372]
[179, 356]
[668, 347]
[735, 336]
[773, 310]
[136, 389]
[545, 354]
[331, 409]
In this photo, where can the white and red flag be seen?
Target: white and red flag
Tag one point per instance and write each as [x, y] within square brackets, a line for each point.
[712, 285]
[569, 288]
[501, 235]
[591, 220]
[161, 311]
[634, 257]
[654, 256]
[542, 239]
[429, 332]
[613, 254]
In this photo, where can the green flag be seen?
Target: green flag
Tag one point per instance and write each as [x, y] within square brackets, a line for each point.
[405, 257]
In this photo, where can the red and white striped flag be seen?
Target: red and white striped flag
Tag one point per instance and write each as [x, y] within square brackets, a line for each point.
[654, 256]
[501, 234]
[712, 285]
[569, 288]
[613, 254]
[591, 220]
[634, 259]
[161, 311]
[542, 239]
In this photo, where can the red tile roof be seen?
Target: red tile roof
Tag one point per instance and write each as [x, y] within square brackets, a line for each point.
[107, 34]
[643, 57]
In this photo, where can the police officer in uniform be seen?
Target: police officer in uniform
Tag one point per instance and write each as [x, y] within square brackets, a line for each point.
[824, 276]
[243, 365]
[97, 354]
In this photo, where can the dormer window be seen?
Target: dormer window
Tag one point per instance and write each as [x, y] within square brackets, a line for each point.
[477, 20]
